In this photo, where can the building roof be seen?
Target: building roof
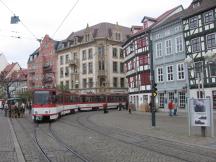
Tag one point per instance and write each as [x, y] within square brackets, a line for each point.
[204, 5]
[175, 17]
[148, 18]
[101, 30]
[8, 68]
[158, 20]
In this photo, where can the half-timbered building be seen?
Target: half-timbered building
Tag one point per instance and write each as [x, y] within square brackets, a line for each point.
[137, 53]
[200, 40]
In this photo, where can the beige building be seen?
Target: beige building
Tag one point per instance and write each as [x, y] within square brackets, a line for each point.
[91, 60]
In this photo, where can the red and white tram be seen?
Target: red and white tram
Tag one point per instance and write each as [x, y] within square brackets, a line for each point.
[50, 104]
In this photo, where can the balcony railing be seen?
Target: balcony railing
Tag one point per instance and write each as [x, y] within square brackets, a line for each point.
[73, 62]
[47, 79]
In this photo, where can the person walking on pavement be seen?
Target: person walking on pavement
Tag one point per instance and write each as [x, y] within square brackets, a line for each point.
[170, 107]
[175, 109]
[130, 107]
[105, 108]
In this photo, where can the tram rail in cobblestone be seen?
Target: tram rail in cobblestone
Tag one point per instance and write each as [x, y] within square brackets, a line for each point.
[167, 148]
[84, 159]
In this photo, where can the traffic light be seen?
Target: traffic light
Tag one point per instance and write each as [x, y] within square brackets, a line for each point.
[154, 89]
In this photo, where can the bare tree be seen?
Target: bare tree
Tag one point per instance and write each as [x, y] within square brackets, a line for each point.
[6, 83]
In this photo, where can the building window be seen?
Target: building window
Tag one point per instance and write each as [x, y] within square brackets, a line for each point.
[115, 67]
[122, 82]
[87, 38]
[211, 43]
[67, 59]
[171, 96]
[180, 71]
[121, 67]
[161, 100]
[193, 22]
[114, 52]
[118, 36]
[84, 83]
[84, 55]
[170, 73]
[115, 82]
[101, 65]
[168, 46]
[179, 44]
[90, 82]
[121, 53]
[145, 24]
[84, 68]
[90, 67]
[143, 60]
[141, 42]
[90, 54]
[160, 74]
[101, 51]
[159, 49]
[182, 100]
[61, 72]
[66, 71]
[196, 45]
[61, 60]
[209, 17]
[212, 66]
[67, 84]
[145, 78]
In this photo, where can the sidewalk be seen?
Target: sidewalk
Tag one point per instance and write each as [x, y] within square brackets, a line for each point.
[9, 147]
[173, 128]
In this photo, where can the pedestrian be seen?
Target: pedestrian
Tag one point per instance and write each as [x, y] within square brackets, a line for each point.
[130, 107]
[120, 106]
[175, 109]
[105, 108]
[170, 107]
[6, 109]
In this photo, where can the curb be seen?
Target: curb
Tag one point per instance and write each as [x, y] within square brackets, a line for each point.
[16, 144]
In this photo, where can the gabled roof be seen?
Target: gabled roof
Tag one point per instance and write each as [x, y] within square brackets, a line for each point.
[175, 17]
[148, 18]
[8, 68]
[159, 19]
[204, 5]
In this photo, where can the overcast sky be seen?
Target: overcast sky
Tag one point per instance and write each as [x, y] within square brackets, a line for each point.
[44, 16]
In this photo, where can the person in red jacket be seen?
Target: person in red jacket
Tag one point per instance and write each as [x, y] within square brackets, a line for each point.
[170, 107]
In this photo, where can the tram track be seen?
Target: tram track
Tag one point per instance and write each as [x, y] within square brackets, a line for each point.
[50, 154]
[165, 147]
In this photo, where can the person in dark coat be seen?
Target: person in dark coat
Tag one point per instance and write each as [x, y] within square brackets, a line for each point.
[105, 108]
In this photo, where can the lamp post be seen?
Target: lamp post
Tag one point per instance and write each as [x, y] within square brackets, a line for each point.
[200, 71]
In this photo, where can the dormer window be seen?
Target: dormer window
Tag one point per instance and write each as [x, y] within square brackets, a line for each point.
[196, 3]
[118, 36]
[75, 40]
[87, 38]
[145, 24]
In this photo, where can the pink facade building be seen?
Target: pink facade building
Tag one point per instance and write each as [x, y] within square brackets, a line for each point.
[42, 65]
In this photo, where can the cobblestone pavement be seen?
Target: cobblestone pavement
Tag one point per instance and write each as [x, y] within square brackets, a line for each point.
[116, 136]
[7, 149]
[171, 128]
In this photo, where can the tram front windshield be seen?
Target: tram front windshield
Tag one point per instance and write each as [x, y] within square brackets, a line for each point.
[41, 97]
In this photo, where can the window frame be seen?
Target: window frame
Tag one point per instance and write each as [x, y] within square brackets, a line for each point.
[170, 74]
[178, 71]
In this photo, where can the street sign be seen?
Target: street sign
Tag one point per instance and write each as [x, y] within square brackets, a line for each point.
[154, 94]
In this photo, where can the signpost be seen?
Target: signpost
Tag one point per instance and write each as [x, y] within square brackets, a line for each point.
[200, 114]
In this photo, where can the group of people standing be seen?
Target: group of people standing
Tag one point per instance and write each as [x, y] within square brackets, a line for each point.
[172, 108]
[16, 109]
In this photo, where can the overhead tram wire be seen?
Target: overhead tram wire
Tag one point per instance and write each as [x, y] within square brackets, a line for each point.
[21, 22]
[65, 18]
